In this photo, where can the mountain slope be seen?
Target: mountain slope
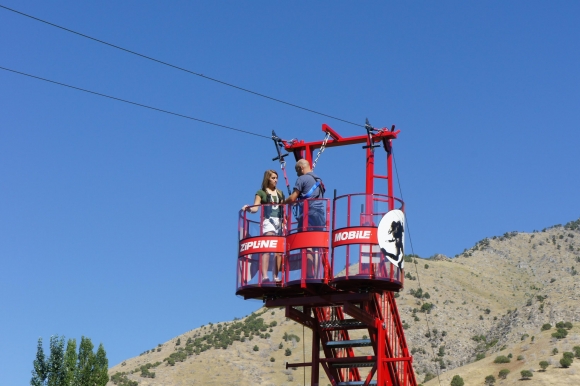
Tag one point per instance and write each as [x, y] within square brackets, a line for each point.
[480, 304]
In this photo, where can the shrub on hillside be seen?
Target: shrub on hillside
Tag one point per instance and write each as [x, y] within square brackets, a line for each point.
[428, 377]
[566, 325]
[560, 334]
[120, 379]
[526, 374]
[546, 326]
[503, 373]
[501, 359]
[288, 337]
[554, 351]
[479, 356]
[288, 352]
[457, 381]
[544, 365]
[565, 362]
[490, 380]
[576, 351]
[568, 355]
[427, 307]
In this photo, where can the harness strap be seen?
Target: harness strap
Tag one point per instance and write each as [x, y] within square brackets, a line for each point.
[318, 183]
[312, 189]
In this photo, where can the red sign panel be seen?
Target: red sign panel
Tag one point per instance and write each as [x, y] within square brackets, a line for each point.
[310, 239]
[354, 235]
[264, 244]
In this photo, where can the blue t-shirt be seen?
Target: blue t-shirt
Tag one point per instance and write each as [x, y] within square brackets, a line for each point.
[305, 182]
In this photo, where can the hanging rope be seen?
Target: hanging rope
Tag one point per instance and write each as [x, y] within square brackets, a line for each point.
[278, 144]
[303, 356]
[326, 138]
[416, 270]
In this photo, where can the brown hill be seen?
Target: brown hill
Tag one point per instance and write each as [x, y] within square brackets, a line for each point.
[491, 300]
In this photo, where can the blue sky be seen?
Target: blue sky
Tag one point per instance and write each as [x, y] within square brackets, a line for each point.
[119, 223]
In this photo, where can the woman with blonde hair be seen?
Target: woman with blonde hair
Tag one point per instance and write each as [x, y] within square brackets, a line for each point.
[273, 217]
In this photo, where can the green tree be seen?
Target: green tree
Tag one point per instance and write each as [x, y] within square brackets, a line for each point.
[67, 368]
[55, 363]
[457, 381]
[503, 373]
[86, 363]
[576, 351]
[101, 369]
[565, 362]
[490, 380]
[39, 373]
[554, 351]
[501, 359]
[526, 374]
[70, 361]
[560, 334]
[544, 365]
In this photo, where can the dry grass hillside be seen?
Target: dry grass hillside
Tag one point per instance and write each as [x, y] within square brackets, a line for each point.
[491, 300]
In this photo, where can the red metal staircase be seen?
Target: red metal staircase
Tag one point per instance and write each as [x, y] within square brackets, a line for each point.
[333, 317]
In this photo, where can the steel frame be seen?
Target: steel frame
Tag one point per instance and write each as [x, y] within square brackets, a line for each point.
[376, 310]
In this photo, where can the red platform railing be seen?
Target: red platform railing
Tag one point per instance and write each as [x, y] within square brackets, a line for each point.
[260, 250]
[307, 243]
[302, 246]
[356, 256]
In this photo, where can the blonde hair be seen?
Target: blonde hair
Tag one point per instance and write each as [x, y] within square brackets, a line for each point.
[267, 175]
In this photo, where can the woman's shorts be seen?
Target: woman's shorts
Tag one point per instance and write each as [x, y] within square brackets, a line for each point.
[271, 224]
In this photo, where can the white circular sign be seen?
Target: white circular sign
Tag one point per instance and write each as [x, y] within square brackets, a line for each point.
[391, 235]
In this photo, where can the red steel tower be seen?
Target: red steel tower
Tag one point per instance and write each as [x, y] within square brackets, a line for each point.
[334, 277]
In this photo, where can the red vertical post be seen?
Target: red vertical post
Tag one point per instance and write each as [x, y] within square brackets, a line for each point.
[370, 169]
[390, 191]
[381, 376]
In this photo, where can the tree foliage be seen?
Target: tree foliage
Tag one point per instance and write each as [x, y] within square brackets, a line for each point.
[39, 371]
[56, 369]
[544, 365]
[70, 361]
[503, 373]
[490, 380]
[526, 374]
[457, 381]
[565, 362]
[66, 368]
[501, 359]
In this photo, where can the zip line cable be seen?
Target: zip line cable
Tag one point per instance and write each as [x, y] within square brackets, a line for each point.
[134, 103]
[416, 270]
[179, 68]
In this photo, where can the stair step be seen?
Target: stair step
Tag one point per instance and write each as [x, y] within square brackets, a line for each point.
[355, 383]
[348, 362]
[344, 324]
[346, 365]
[348, 343]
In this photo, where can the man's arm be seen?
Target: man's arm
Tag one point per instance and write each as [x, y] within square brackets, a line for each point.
[293, 197]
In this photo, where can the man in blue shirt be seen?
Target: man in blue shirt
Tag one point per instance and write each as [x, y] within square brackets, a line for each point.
[309, 189]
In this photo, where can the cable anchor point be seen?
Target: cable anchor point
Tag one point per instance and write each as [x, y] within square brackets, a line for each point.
[370, 129]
